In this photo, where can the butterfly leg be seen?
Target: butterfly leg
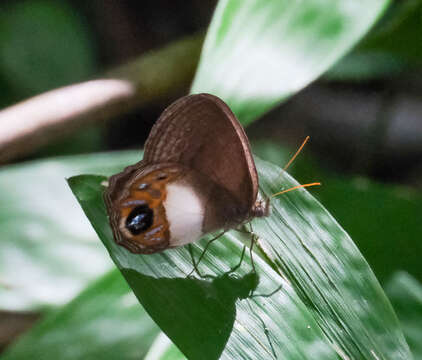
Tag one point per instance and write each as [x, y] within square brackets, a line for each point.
[254, 238]
[237, 266]
[195, 264]
[266, 295]
[266, 331]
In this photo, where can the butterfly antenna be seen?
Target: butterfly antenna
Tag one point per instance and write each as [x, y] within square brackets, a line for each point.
[295, 188]
[296, 154]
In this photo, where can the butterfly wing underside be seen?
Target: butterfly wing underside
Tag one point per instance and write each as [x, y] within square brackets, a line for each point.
[201, 132]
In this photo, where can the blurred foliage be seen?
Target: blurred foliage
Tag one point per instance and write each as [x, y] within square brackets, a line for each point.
[256, 54]
[395, 35]
[391, 47]
[43, 44]
[405, 293]
[50, 256]
[104, 322]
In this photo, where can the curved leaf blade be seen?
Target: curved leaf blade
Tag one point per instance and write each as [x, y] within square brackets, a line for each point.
[210, 319]
[330, 303]
[310, 248]
[389, 215]
[258, 53]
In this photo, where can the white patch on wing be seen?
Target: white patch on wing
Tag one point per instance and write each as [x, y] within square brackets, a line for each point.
[185, 214]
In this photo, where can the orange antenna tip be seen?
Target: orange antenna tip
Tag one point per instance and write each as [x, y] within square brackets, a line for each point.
[296, 187]
[297, 153]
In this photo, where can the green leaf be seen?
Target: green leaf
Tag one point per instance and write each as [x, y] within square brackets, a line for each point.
[389, 48]
[405, 293]
[383, 219]
[329, 303]
[365, 65]
[308, 244]
[202, 316]
[104, 322]
[400, 33]
[43, 44]
[257, 53]
[48, 250]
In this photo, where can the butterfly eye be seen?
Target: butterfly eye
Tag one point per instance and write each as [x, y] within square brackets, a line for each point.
[139, 219]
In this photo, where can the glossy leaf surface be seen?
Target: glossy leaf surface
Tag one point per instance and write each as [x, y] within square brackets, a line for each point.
[258, 53]
[383, 219]
[329, 302]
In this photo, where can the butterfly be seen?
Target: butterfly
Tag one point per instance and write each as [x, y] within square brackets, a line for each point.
[197, 176]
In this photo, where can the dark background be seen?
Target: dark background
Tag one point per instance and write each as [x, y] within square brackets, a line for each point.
[368, 125]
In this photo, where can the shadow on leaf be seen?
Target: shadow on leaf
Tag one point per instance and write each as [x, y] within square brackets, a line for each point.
[209, 325]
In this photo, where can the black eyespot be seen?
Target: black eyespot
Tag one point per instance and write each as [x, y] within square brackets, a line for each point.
[139, 219]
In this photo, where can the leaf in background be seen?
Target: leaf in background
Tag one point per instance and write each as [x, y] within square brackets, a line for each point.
[43, 44]
[323, 277]
[365, 65]
[400, 33]
[104, 322]
[257, 53]
[48, 250]
[389, 48]
[405, 293]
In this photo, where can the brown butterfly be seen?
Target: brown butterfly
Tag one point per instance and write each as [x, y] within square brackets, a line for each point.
[197, 175]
